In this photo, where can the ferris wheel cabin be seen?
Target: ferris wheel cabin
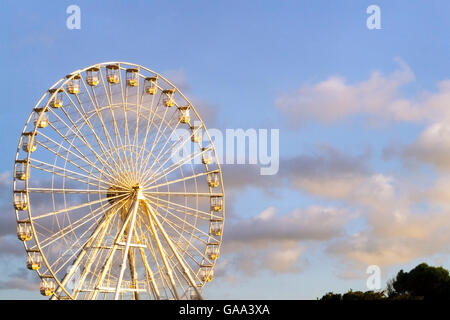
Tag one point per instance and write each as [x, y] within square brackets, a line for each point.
[112, 73]
[150, 85]
[73, 85]
[92, 76]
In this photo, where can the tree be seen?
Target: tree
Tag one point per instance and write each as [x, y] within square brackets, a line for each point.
[359, 295]
[330, 296]
[354, 295]
[423, 281]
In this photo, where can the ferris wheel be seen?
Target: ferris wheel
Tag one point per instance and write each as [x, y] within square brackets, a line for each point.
[117, 188]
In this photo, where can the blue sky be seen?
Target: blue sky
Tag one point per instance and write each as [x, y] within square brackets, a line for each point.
[256, 63]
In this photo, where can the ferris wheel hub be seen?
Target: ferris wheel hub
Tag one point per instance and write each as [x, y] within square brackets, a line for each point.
[138, 192]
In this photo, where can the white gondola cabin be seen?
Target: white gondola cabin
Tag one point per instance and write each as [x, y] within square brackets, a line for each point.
[168, 99]
[20, 200]
[184, 114]
[216, 203]
[73, 85]
[92, 76]
[34, 261]
[216, 228]
[206, 273]
[24, 232]
[47, 287]
[213, 179]
[150, 85]
[40, 117]
[206, 156]
[56, 98]
[20, 170]
[28, 142]
[212, 251]
[112, 73]
[196, 135]
[132, 77]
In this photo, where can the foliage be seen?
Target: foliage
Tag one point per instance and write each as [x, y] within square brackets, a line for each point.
[354, 295]
[424, 282]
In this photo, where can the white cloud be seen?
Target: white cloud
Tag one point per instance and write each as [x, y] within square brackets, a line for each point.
[311, 223]
[276, 243]
[432, 146]
[333, 99]
[379, 96]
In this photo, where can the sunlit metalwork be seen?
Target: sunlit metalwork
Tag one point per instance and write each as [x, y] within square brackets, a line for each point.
[103, 209]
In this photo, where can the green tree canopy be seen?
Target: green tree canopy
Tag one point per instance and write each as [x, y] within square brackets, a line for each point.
[423, 282]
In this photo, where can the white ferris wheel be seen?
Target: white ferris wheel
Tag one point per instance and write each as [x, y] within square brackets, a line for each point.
[103, 207]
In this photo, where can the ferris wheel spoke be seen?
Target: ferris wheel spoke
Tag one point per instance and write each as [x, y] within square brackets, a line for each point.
[182, 281]
[162, 270]
[194, 176]
[78, 134]
[117, 136]
[149, 124]
[67, 160]
[144, 161]
[161, 250]
[159, 156]
[89, 124]
[109, 140]
[54, 213]
[76, 191]
[152, 250]
[125, 130]
[183, 194]
[120, 149]
[161, 174]
[126, 108]
[96, 255]
[95, 107]
[148, 271]
[153, 218]
[194, 228]
[75, 265]
[139, 99]
[83, 116]
[182, 208]
[106, 266]
[133, 213]
[156, 139]
[54, 265]
[177, 229]
[157, 135]
[80, 155]
[100, 229]
[160, 136]
[72, 227]
[66, 173]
